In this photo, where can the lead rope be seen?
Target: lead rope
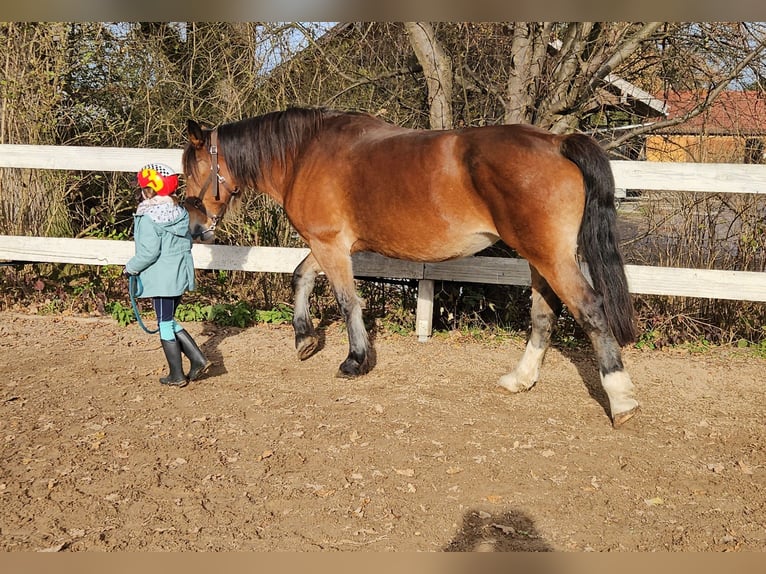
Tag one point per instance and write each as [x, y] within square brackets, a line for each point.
[135, 288]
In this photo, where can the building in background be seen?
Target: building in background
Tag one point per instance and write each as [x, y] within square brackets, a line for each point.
[731, 130]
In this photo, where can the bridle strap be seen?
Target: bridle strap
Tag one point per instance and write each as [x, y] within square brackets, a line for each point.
[214, 175]
[216, 178]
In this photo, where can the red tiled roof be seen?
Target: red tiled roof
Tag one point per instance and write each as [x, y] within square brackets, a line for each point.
[731, 113]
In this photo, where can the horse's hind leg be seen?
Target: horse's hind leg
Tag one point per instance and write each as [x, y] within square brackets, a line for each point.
[587, 307]
[546, 307]
[306, 340]
[615, 380]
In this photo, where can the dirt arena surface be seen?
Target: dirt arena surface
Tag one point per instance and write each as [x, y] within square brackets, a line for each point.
[425, 453]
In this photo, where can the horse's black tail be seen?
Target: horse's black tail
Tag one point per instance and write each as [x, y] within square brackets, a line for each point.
[598, 240]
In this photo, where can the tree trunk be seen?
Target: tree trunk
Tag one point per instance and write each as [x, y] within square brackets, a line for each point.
[528, 53]
[437, 69]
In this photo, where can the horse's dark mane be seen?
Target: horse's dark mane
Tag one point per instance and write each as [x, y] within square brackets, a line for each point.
[252, 147]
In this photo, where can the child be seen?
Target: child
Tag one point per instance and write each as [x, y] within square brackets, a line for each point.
[164, 264]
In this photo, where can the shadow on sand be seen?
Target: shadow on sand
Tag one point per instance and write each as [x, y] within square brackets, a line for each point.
[508, 531]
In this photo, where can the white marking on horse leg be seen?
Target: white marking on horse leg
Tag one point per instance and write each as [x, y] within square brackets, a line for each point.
[356, 329]
[526, 373]
[303, 289]
[619, 389]
[306, 342]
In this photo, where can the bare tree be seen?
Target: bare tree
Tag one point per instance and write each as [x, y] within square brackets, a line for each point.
[560, 75]
[437, 69]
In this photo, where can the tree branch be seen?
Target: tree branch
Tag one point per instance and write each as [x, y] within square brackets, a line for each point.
[623, 51]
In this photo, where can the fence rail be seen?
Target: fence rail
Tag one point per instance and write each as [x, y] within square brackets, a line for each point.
[662, 176]
[717, 284]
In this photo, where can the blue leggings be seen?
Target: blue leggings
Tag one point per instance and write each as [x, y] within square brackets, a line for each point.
[165, 308]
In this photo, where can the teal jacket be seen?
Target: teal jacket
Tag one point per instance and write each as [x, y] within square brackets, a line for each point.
[163, 258]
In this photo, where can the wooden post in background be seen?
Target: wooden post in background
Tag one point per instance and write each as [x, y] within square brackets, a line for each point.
[425, 309]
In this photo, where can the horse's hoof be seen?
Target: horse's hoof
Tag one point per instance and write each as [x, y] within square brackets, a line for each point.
[621, 418]
[349, 369]
[306, 347]
[512, 383]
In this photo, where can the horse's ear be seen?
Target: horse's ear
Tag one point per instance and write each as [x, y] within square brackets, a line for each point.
[194, 132]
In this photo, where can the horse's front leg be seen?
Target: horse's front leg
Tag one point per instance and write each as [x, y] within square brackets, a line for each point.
[306, 340]
[358, 343]
[336, 263]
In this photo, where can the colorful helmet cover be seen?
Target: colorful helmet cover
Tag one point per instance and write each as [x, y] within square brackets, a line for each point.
[159, 177]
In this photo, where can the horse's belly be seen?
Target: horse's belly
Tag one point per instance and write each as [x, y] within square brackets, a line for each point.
[469, 244]
[435, 248]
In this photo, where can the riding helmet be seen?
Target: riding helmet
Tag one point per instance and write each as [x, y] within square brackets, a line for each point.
[159, 177]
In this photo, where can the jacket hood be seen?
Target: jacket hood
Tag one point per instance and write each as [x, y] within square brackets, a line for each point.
[166, 214]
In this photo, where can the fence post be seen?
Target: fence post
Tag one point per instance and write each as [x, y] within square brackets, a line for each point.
[425, 309]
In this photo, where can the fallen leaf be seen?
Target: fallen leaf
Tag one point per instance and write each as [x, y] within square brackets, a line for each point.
[405, 472]
[57, 548]
[744, 467]
[656, 501]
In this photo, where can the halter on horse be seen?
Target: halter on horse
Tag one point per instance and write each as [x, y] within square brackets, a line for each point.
[201, 226]
[351, 182]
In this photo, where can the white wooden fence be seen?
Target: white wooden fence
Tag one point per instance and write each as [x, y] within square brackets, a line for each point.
[719, 178]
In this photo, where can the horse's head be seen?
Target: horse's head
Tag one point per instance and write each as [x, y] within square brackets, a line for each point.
[208, 179]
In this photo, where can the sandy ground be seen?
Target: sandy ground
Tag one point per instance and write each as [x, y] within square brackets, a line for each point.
[425, 453]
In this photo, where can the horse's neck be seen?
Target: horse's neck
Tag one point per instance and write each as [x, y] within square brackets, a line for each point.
[273, 187]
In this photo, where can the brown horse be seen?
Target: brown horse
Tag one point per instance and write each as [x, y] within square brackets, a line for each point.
[351, 182]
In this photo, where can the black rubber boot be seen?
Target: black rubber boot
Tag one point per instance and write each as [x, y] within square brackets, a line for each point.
[199, 363]
[176, 377]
